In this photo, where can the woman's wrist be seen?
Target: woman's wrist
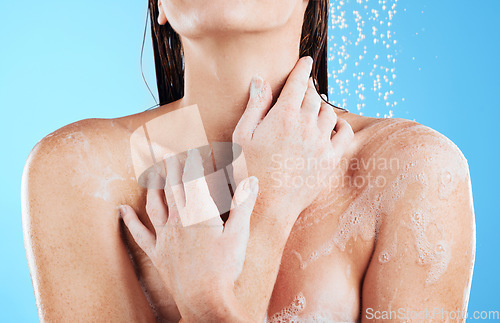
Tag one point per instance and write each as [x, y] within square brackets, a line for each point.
[274, 219]
[230, 310]
[221, 306]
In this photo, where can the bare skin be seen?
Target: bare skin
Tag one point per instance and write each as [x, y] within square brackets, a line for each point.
[200, 259]
[76, 178]
[298, 127]
[75, 247]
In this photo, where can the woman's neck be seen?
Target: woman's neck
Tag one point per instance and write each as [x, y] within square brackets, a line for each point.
[218, 71]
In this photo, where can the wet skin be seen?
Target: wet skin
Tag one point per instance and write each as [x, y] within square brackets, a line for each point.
[408, 243]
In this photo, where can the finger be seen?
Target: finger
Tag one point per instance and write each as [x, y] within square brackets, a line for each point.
[144, 238]
[296, 85]
[327, 118]
[155, 205]
[312, 101]
[174, 180]
[242, 206]
[258, 105]
[195, 187]
[173, 212]
[342, 138]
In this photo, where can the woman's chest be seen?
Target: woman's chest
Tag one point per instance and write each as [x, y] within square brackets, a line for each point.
[320, 274]
[323, 264]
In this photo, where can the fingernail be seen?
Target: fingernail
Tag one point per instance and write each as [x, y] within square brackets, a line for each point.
[257, 82]
[122, 210]
[310, 61]
[256, 86]
[324, 97]
[251, 185]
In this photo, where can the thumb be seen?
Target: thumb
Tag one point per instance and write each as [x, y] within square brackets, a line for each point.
[242, 207]
[257, 107]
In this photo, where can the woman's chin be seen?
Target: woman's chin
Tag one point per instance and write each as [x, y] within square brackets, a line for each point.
[237, 19]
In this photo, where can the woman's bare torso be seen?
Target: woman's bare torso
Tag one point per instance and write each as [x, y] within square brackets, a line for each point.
[379, 236]
[331, 244]
[329, 248]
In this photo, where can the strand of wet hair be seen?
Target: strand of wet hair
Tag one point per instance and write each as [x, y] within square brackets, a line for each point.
[142, 54]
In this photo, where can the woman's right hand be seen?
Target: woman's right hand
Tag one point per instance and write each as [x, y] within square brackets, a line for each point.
[291, 149]
[197, 256]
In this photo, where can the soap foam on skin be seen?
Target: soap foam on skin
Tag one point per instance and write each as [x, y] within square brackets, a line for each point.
[447, 183]
[416, 187]
[106, 176]
[316, 213]
[360, 219]
[291, 312]
[387, 254]
[436, 256]
[329, 203]
[362, 216]
[103, 192]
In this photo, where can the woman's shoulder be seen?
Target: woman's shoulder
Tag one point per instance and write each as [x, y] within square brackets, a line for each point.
[73, 181]
[76, 139]
[396, 150]
[92, 137]
[84, 152]
[86, 156]
[393, 137]
[413, 165]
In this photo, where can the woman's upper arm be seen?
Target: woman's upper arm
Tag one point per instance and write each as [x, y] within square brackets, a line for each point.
[422, 264]
[79, 266]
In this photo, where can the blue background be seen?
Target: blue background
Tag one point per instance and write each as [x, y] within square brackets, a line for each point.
[63, 61]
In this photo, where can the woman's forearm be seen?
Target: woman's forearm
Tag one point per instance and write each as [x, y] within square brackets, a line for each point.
[249, 299]
[255, 285]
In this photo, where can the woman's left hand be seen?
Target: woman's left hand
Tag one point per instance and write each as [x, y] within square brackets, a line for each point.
[199, 263]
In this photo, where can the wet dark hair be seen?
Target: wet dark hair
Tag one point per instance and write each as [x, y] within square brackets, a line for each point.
[168, 53]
